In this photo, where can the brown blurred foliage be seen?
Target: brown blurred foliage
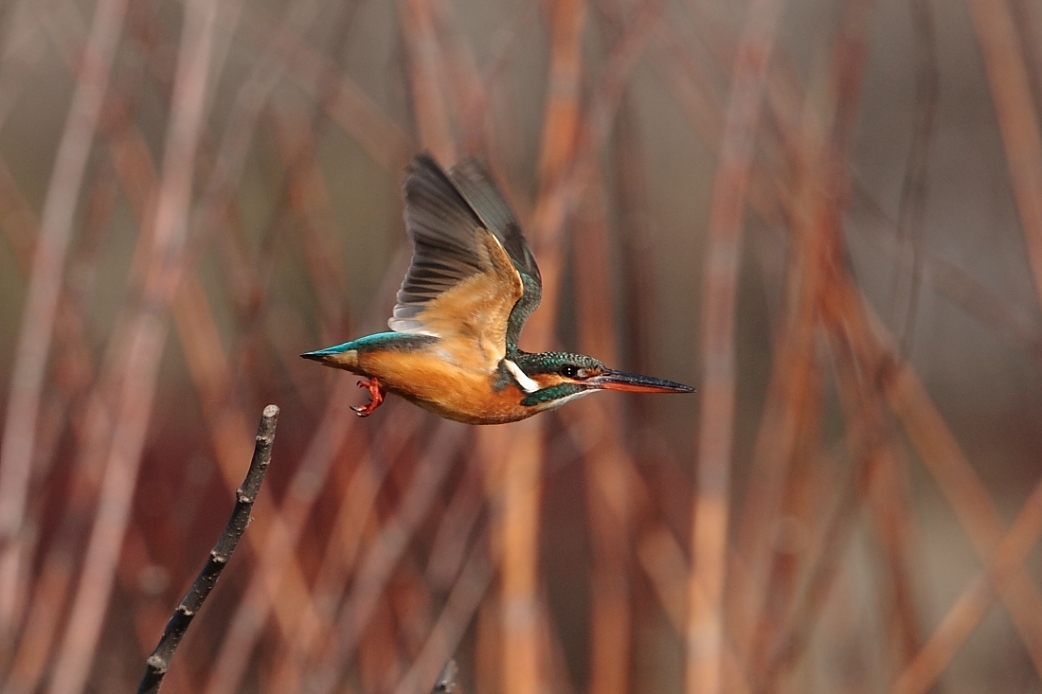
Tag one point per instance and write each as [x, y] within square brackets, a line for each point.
[827, 215]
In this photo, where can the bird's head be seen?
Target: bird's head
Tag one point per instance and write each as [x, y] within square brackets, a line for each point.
[550, 379]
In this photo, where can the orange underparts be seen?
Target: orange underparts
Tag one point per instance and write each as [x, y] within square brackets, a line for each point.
[376, 396]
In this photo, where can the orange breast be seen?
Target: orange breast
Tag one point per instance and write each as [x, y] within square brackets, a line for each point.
[445, 389]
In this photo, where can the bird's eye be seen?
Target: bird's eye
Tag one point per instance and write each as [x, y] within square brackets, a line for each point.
[569, 371]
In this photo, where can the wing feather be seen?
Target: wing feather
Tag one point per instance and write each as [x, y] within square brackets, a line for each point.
[481, 192]
[473, 279]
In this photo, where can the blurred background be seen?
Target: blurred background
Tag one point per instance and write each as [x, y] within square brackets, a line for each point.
[825, 215]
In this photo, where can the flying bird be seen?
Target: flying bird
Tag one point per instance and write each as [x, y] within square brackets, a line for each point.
[472, 284]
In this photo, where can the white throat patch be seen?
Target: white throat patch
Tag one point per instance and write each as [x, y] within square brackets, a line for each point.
[523, 380]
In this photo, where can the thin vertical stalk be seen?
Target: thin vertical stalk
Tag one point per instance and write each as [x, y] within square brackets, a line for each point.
[818, 218]
[427, 77]
[148, 335]
[972, 605]
[519, 455]
[608, 494]
[383, 555]
[41, 306]
[711, 502]
[941, 454]
[1017, 119]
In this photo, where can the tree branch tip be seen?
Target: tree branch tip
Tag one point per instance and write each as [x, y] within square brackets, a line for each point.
[158, 661]
[446, 681]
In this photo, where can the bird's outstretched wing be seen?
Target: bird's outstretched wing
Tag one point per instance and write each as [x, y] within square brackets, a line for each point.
[473, 278]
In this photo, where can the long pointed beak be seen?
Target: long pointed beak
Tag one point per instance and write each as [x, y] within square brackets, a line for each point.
[337, 356]
[635, 383]
[328, 352]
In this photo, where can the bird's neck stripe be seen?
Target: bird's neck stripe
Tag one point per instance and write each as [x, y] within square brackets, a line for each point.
[523, 379]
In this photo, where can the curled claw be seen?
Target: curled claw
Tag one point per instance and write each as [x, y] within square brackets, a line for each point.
[376, 396]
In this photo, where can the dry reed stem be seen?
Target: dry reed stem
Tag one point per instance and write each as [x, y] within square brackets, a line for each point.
[21, 50]
[824, 557]
[211, 376]
[1018, 122]
[54, 578]
[711, 501]
[793, 398]
[232, 666]
[557, 153]
[895, 525]
[206, 358]
[456, 528]
[912, 207]
[608, 502]
[350, 528]
[636, 245]
[245, 276]
[696, 95]
[662, 560]
[870, 444]
[73, 369]
[566, 20]
[277, 552]
[971, 299]
[383, 555]
[43, 605]
[308, 198]
[961, 288]
[965, 493]
[469, 94]
[427, 80]
[41, 305]
[558, 193]
[516, 487]
[817, 249]
[340, 98]
[148, 333]
[765, 205]
[91, 431]
[768, 208]
[973, 604]
[519, 453]
[329, 437]
[464, 598]
[940, 453]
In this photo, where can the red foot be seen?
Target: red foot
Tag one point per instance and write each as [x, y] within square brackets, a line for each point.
[376, 395]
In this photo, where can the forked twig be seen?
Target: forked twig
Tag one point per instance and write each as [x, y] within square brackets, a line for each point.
[159, 662]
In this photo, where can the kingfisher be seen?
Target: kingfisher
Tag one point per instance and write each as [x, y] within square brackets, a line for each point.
[472, 284]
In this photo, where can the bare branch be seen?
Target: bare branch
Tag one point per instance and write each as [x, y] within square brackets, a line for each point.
[159, 661]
